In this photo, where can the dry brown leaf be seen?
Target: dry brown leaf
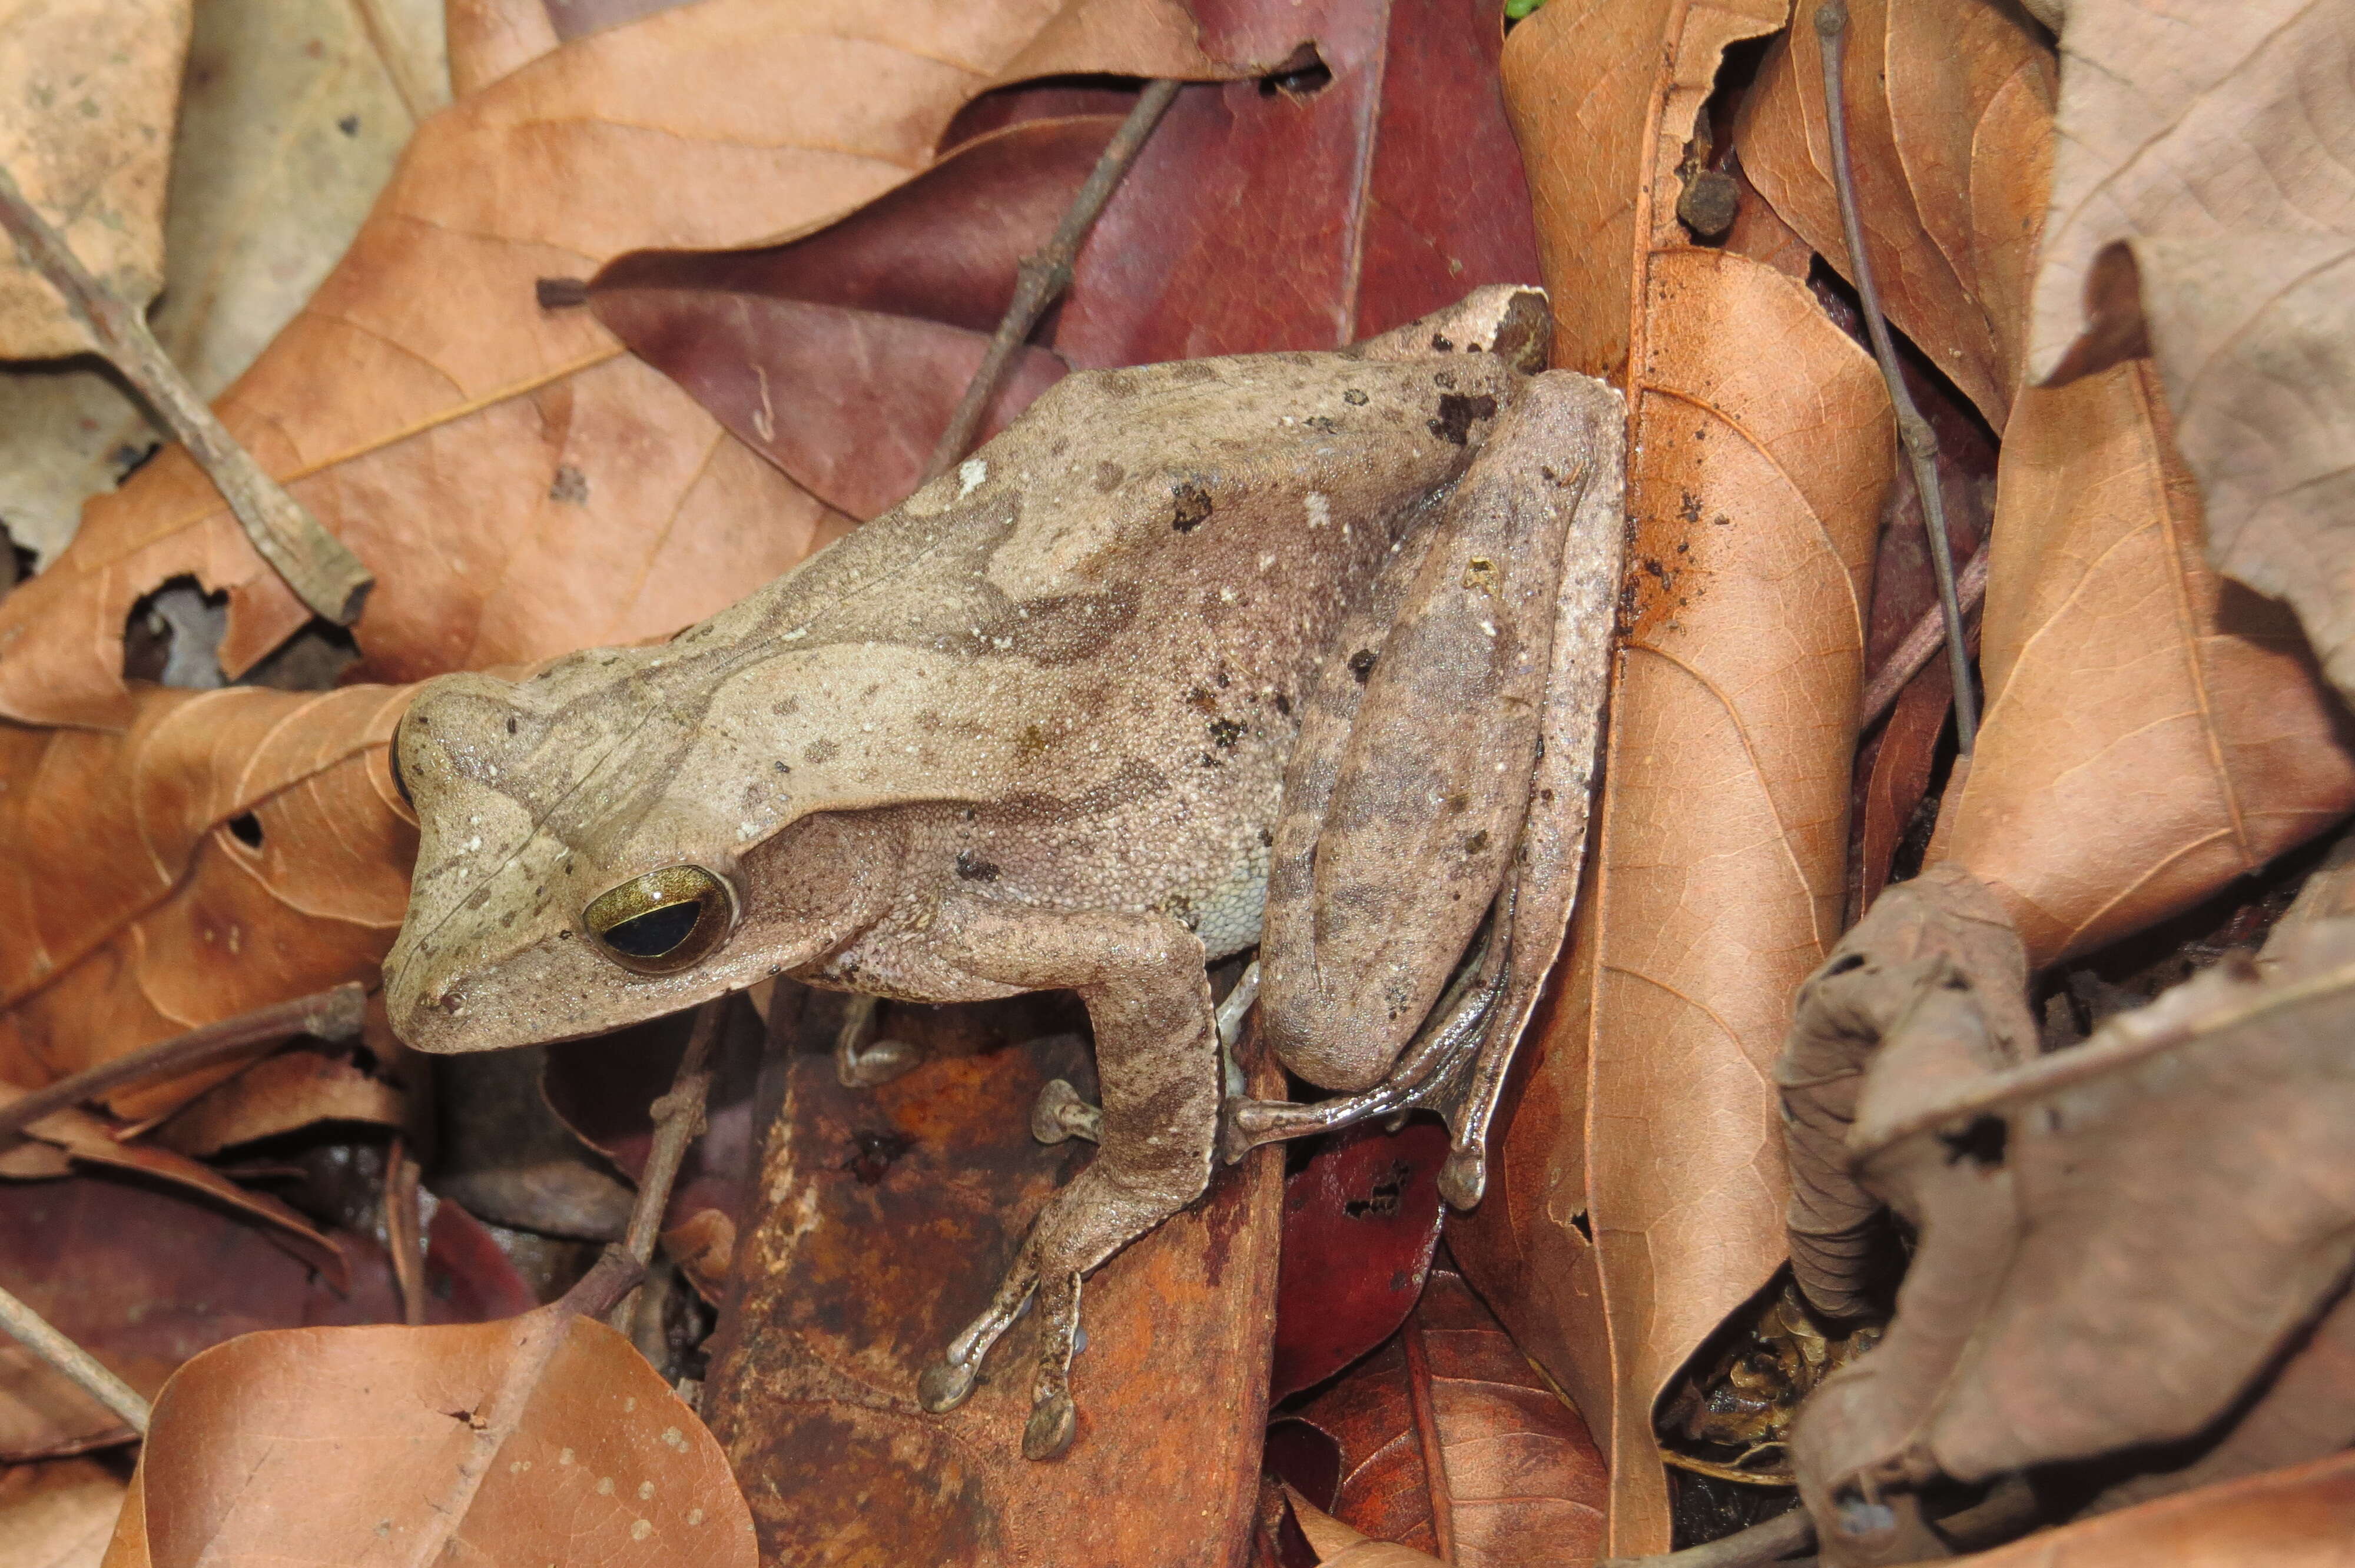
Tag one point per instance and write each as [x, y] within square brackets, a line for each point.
[2203, 202]
[538, 1438]
[2298, 1518]
[882, 1220]
[537, 488]
[1337, 1546]
[92, 89]
[1765, 443]
[1602, 95]
[1451, 1442]
[58, 1515]
[2049, 1196]
[2151, 732]
[229, 849]
[280, 1094]
[1950, 129]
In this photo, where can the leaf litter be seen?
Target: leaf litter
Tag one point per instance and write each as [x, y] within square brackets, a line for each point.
[2156, 738]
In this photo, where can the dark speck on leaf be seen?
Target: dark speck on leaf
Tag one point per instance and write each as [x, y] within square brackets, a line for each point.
[875, 1153]
[349, 126]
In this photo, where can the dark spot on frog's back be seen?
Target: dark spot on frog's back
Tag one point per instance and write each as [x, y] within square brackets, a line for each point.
[1108, 477]
[1063, 629]
[1225, 733]
[972, 868]
[1190, 502]
[819, 751]
[1456, 414]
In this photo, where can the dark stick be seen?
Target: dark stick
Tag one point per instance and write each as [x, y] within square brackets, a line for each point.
[1042, 278]
[1766, 1541]
[329, 1014]
[678, 1121]
[1921, 644]
[1921, 441]
[324, 574]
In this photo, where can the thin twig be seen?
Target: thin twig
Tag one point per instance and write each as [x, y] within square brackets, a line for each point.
[678, 1121]
[1766, 1541]
[36, 1334]
[324, 574]
[332, 1014]
[1921, 441]
[1042, 278]
[1921, 643]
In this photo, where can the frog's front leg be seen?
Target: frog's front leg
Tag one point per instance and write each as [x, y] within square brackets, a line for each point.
[1149, 997]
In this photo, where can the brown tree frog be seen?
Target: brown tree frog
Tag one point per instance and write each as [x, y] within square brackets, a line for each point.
[1296, 649]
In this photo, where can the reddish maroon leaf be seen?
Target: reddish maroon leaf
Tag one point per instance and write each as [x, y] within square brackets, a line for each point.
[1360, 1219]
[142, 1277]
[1452, 1443]
[840, 356]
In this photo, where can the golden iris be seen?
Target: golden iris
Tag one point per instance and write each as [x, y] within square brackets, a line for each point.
[662, 922]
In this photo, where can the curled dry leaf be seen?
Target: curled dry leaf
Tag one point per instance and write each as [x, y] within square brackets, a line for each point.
[2151, 732]
[1950, 131]
[2049, 1196]
[509, 457]
[1337, 1546]
[1451, 1443]
[2203, 204]
[881, 1222]
[144, 1278]
[59, 1514]
[1642, 1182]
[228, 849]
[281, 1094]
[92, 87]
[530, 1439]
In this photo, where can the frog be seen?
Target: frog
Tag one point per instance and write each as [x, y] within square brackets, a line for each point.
[1298, 652]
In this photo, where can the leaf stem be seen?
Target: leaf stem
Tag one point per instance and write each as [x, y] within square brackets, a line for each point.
[325, 575]
[330, 1014]
[1042, 278]
[1920, 442]
[37, 1334]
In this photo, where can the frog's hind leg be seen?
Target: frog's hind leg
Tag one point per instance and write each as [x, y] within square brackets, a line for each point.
[1148, 996]
[1447, 786]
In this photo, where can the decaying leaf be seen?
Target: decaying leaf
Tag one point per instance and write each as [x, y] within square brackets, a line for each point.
[229, 849]
[1337, 1546]
[1361, 1222]
[59, 1514]
[92, 87]
[1642, 1182]
[2151, 732]
[281, 1094]
[144, 1278]
[515, 1441]
[291, 114]
[2203, 205]
[1950, 131]
[510, 458]
[2051, 1311]
[1452, 1443]
[881, 1224]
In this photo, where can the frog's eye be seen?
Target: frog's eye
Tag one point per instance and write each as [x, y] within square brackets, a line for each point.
[662, 922]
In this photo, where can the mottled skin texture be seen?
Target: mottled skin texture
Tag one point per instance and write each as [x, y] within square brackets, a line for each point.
[1031, 730]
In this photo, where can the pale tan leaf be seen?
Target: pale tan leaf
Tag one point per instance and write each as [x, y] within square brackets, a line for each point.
[58, 1515]
[89, 88]
[2151, 732]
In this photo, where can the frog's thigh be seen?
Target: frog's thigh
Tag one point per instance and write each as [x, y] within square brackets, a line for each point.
[1141, 976]
[1377, 888]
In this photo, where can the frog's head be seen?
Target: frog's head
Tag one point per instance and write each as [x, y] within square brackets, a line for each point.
[586, 836]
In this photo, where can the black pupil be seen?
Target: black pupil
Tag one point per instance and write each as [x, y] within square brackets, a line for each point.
[655, 932]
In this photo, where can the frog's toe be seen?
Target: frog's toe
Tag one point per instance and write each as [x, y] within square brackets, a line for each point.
[1059, 1113]
[945, 1385]
[1048, 1435]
